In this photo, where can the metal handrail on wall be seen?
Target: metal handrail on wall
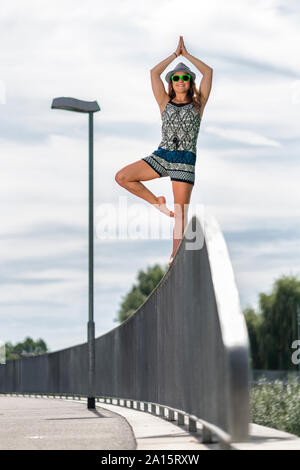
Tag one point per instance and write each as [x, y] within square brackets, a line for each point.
[185, 348]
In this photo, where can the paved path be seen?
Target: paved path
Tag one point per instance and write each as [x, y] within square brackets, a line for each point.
[155, 433]
[152, 432]
[51, 423]
[264, 438]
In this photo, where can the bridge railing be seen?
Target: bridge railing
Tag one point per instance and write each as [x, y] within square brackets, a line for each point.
[186, 347]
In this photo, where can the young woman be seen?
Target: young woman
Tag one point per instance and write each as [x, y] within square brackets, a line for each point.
[181, 112]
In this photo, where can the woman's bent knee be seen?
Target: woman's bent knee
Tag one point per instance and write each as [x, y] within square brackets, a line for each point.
[120, 177]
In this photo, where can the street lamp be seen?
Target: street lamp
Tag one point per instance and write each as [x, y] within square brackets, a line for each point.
[72, 104]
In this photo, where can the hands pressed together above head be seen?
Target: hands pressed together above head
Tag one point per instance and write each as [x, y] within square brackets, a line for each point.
[181, 50]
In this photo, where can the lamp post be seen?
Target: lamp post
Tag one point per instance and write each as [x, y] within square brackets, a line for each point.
[90, 107]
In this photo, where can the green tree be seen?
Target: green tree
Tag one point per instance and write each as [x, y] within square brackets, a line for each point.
[28, 347]
[253, 322]
[273, 329]
[279, 325]
[147, 281]
[9, 351]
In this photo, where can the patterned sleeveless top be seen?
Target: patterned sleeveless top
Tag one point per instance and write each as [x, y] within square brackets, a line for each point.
[180, 127]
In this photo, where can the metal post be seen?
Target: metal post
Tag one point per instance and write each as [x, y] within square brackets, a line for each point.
[91, 324]
[90, 107]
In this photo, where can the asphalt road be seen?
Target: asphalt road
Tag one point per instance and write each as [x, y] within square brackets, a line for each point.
[47, 423]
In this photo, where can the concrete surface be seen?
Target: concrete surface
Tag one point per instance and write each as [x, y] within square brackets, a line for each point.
[53, 423]
[264, 438]
[152, 432]
[50, 423]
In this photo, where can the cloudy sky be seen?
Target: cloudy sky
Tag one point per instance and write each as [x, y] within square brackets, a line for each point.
[247, 169]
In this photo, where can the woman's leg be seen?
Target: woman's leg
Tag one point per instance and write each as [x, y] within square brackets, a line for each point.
[130, 178]
[182, 194]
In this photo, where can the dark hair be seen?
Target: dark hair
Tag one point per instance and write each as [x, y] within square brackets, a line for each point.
[193, 94]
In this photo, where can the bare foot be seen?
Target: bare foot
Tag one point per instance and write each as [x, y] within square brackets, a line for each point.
[171, 260]
[161, 206]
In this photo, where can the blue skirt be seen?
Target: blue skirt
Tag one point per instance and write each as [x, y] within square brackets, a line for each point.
[178, 164]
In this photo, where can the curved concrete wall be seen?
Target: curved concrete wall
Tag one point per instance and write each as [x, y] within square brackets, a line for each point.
[186, 347]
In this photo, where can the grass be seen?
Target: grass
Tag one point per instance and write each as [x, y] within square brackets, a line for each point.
[276, 404]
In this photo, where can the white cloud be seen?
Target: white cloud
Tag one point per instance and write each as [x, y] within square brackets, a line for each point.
[238, 135]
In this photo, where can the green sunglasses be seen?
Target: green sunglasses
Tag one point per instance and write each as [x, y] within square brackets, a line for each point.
[185, 77]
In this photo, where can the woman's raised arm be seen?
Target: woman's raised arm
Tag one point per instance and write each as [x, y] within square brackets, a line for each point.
[207, 72]
[157, 84]
[159, 68]
[158, 88]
